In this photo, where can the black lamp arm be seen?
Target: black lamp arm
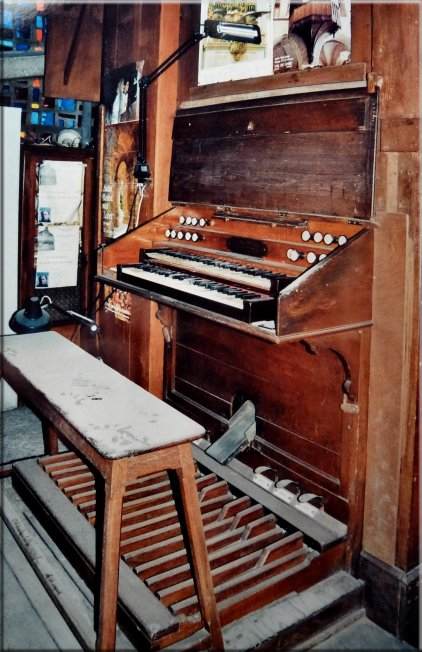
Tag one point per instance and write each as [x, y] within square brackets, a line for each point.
[141, 170]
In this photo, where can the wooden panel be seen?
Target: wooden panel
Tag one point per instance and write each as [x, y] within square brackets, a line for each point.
[130, 34]
[399, 134]
[135, 348]
[288, 80]
[188, 64]
[318, 155]
[397, 186]
[85, 77]
[166, 105]
[297, 390]
[396, 57]
[388, 384]
[337, 290]
[361, 17]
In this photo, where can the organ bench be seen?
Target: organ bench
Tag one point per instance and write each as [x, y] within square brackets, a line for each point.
[122, 432]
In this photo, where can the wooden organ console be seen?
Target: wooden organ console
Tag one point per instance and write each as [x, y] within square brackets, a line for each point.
[262, 272]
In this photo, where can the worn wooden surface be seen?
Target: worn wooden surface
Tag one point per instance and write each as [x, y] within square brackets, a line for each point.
[115, 416]
[253, 558]
[389, 374]
[85, 77]
[337, 290]
[135, 435]
[288, 80]
[304, 428]
[135, 347]
[318, 155]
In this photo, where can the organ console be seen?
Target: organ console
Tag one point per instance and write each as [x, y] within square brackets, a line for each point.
[262, 272]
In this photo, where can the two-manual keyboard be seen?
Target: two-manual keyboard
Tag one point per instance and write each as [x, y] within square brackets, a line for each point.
[254, 277]
[241, 303]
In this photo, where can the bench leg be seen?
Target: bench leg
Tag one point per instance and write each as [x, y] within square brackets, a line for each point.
[192, 528]
[51, 442]
[109, 558]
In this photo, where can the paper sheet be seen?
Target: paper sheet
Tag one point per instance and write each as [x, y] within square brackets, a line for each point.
[60, 193]
[57, 254]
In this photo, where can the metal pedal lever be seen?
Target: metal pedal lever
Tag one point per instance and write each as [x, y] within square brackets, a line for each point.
[240, 433]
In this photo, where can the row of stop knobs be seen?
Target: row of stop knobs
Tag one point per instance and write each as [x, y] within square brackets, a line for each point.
[317, 237]
[182, 235]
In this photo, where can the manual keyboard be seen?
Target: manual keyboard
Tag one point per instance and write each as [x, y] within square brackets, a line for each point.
[233, 301]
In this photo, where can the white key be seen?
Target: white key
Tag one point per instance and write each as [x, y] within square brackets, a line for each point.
[185, 285]
[214, 270]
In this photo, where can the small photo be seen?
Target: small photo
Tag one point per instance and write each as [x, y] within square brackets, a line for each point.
[45, 240]
[41, 280]
[44, 215]
[120, 91]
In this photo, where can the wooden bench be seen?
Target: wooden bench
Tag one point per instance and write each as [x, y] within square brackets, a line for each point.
[123, 432]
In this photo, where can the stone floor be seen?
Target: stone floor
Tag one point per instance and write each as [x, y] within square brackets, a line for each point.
[30, 620]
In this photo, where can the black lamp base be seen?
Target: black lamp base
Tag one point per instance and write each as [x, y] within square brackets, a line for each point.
[30, 319]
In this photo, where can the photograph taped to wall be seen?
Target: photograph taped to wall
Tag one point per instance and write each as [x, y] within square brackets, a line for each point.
[228, 60]
[120, 93]
[311, 34]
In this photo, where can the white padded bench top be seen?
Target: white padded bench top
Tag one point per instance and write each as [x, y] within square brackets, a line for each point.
[116, 416]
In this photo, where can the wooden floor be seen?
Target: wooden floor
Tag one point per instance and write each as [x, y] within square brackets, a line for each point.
[285, 622]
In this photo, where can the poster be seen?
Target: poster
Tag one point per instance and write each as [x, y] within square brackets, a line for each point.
[56, 256]
[228, 60]
[311, 34]
[121, 200]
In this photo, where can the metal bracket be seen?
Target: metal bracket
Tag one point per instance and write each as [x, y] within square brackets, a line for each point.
[240, 433]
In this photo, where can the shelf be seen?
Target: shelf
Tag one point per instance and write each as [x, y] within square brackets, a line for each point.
[330, 78]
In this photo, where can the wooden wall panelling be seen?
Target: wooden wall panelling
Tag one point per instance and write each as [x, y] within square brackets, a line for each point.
[166, 105]
[389, 383]
[396, 30]
[190, 16]
[85, 77]
[132, 33]
[362, 34]
[396, 57]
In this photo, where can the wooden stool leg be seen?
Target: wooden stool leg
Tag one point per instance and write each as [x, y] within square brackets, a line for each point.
[51, 442]
[191, 522]
[109, 562]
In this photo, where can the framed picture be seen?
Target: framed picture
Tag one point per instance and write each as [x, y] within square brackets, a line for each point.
[226, 60]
